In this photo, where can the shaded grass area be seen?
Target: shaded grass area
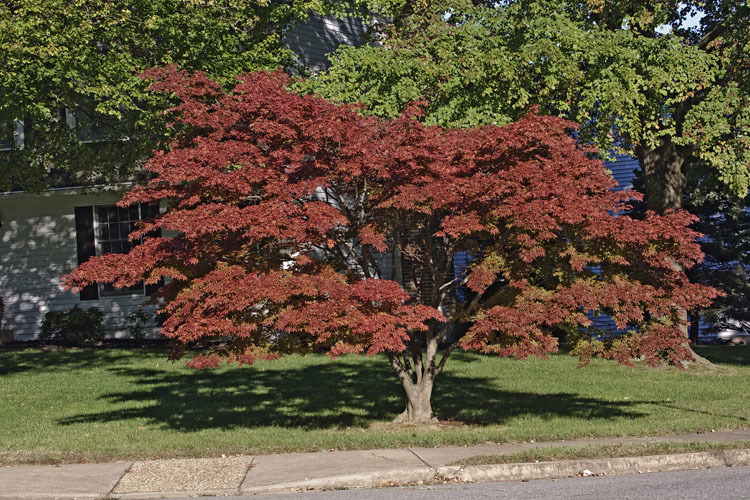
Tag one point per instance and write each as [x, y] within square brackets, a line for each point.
[599, 451]
[106, 404]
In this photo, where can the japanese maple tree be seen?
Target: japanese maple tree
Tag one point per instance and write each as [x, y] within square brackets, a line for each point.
[297, 224]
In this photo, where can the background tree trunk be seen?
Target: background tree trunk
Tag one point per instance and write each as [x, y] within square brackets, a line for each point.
[664, 183]
[664, 180]
[695, 319]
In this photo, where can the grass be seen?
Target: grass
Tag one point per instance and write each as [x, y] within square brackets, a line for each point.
[599, 451]
[107, 404]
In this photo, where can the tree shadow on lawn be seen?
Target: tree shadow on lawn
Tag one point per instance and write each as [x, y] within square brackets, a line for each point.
[725, 354]
[13, 361]
[323, 396]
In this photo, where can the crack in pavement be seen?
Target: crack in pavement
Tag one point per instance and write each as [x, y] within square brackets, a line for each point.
[420, 459]
[388, 459]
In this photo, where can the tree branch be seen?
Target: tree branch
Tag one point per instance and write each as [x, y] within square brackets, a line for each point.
[407, 367]
[446, 354]
[400, 372]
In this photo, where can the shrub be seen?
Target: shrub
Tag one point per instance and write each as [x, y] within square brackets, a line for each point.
[75, 327]
[137, 321]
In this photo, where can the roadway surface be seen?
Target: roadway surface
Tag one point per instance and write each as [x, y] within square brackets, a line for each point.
[731, 483]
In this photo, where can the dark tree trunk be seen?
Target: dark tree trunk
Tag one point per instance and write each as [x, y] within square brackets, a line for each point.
[695, 319]
[664, 183]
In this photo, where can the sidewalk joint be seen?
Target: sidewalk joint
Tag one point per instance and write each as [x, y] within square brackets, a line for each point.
[420, 459]
[117, 483]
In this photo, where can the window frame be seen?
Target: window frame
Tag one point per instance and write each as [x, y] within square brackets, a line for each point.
[104, 292]
[16, 140]
[84, 132]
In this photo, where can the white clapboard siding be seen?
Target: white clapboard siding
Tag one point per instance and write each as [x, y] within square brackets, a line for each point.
[37, 237]
[38, 247]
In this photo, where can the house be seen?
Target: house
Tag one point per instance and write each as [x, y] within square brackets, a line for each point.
[45, 236]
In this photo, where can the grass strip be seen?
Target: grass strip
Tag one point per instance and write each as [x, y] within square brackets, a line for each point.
[600, 451]
[92, 405]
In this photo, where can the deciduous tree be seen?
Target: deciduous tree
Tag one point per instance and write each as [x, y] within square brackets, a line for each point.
[284, 211]
[637, 75]
[66, 62]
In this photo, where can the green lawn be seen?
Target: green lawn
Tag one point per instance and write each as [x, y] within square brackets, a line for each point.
[86, 405]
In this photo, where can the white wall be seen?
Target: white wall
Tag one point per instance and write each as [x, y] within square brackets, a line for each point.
[38, 247]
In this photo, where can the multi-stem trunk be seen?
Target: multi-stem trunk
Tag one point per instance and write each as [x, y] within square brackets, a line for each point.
[417, 371]
[418, 403]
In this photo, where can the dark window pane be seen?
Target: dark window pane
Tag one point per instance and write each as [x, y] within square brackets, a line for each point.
[103, 231]
[106, 247]
[117, 247]
[124, 230]
[101, 213]
[133, 212]
[112, 214]
[125, 246]
[122, 213]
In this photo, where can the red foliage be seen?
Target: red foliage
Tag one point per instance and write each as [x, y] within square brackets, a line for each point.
[283, 212]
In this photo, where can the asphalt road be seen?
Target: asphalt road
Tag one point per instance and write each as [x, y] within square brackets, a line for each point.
[731, 483]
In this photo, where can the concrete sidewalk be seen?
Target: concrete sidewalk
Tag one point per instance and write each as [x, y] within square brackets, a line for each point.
[337, 469]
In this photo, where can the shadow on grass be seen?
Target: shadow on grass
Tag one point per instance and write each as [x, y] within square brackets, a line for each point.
[14, 361]
[725, 354]
[330, 395]
[674, 406]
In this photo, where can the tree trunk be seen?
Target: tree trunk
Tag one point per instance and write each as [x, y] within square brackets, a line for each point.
[664, 183]
[418, 404]
[419, 379]
[695, 319]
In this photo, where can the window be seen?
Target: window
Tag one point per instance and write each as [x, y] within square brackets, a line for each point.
[112, 225]
[11, 136]
[89, 126]
[105, 229]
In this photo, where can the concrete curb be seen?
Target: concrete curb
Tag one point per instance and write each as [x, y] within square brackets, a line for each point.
[395, 477]
[312, 471]
[517, 471]
[602, 466]
[173, 494]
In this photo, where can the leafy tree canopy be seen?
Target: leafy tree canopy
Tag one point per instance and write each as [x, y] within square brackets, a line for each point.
[301, 225]
[631, 73]
[85, 56]
[724, 221]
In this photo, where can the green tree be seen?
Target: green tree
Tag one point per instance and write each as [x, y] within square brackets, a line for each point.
[632, 73]
[282, 207]
[78, 61]
[724, 220]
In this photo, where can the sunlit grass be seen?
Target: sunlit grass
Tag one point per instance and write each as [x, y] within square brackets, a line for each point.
[88, 404]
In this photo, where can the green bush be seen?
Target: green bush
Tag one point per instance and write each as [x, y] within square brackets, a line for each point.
[75, 327]
[137, 324]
